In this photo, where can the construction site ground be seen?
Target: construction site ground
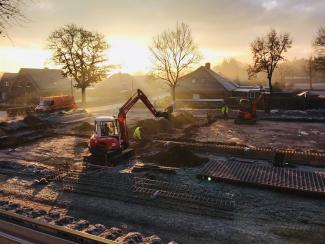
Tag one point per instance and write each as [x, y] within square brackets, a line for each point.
[259, 216]
[277, 134]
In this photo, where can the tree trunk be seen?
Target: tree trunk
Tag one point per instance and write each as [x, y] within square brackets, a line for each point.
[310, 82]
[173, 93]
[270, 83]
[269, 106]
[83, 95]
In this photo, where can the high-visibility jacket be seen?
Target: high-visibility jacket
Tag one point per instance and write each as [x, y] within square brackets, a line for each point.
[137, 133]
[224, 109]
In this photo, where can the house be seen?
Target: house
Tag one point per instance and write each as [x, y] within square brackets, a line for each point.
[6, 82]
[205, 84]
[30, 84]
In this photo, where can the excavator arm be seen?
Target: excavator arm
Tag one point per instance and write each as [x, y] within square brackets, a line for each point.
[256, 101]
[247, 109]
[139, 95]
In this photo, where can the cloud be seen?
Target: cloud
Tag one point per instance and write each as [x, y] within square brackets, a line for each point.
[269, 5]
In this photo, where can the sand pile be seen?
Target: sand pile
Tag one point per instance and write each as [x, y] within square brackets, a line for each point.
[177, 157]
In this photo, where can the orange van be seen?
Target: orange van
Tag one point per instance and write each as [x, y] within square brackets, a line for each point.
[56, 103]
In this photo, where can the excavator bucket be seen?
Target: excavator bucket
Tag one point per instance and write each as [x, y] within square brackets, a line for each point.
[165, 114]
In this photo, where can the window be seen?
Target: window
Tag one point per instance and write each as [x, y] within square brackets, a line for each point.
[46, 103]
[107, 128]
[196, 96]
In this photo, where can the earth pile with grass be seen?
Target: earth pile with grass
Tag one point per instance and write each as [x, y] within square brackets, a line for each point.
[155, 126]
[84, 127]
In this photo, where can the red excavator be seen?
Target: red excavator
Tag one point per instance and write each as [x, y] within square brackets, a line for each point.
[110, 138]
[247, 109]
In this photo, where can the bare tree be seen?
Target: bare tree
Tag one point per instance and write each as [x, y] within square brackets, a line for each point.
[81, 54]
[282, 71]
[319, 47]
[173, 53]
[267, 53]
[310, 68]
[10, 14]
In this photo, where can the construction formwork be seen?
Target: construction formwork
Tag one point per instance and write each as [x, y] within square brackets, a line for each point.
[277, 178]
[179, 197]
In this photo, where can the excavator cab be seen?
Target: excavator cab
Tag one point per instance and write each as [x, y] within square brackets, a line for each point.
[105, 127]
[245, 105]
[106, 137]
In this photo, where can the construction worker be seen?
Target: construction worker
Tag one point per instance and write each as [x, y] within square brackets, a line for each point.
[225, 111]
[210, 118]
[104, 129]
[137, 134]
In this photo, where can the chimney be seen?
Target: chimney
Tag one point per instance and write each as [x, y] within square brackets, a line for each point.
[207, 65]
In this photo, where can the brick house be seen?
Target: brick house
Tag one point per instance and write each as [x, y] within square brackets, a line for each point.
[29, 84]
[204, 83]
[6, 82]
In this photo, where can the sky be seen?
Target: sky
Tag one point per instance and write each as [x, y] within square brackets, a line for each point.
[221, 28]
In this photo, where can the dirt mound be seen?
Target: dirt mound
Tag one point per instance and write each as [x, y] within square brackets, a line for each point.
[182, 119]
[177, 157]
[84, 127]
[34, 122]
[31, 119]
[154, 126]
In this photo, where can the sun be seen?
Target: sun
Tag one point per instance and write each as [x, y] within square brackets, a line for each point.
[131, 56]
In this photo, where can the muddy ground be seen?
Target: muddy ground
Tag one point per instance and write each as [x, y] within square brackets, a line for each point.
[260, 215]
